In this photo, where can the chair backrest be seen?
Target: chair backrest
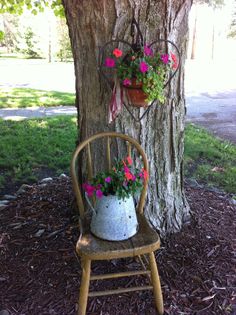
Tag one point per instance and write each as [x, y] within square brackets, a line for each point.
[86, 144]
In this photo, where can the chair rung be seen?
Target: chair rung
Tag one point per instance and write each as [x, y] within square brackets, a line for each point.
[119, 275]
[118, 291]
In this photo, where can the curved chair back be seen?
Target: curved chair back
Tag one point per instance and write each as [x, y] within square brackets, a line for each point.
[86, 144]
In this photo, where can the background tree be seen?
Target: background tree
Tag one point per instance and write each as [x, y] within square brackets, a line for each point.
[214, 4]
[11, 32]
[64, 52]
[31, 49]
[232, 31]
[161, 133]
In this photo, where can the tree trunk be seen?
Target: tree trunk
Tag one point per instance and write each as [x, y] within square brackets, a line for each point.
[91, 24]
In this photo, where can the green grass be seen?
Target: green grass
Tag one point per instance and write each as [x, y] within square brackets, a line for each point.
[24, 97]
[35, 148]
[210, 160]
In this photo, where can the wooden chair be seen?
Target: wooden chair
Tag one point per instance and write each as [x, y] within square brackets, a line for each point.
[90, 248]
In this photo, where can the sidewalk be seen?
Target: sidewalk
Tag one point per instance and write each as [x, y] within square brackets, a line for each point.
[36, 112]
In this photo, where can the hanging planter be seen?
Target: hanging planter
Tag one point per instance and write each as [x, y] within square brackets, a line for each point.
[135, 94]
[153, 65]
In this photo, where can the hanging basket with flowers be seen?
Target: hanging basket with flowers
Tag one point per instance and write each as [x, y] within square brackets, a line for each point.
[142, 74]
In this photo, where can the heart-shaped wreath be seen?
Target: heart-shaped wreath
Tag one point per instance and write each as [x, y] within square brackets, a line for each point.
[137, 73]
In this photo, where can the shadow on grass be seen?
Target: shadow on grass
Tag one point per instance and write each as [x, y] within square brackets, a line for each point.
[209, 159]
[35, 148]
[25, 97]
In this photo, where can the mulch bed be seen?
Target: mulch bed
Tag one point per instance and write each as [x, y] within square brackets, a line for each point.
[40, 272]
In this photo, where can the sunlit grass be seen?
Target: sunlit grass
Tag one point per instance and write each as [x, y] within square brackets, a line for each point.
[36, 148]
[24, 97]
[210, 160]
[31, 148]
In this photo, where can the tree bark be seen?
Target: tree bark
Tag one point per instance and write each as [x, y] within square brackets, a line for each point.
[91, 24]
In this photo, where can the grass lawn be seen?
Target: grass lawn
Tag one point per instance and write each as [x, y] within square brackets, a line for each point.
[37, 148]
[210, 160]
[24, 97]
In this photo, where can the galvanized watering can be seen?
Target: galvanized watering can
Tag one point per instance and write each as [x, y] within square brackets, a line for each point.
[114, 219]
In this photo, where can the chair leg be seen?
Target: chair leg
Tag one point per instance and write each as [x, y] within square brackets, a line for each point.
[156, 284]
[84, 286]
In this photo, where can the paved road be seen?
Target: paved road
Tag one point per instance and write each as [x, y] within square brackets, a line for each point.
[211, 96]
[214, 111]
[210, 91]
[36, 112]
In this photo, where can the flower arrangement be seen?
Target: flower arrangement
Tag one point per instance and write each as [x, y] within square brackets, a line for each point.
[121, 180]
[145, 67]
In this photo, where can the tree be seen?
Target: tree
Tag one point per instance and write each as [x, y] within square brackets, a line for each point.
[92, 23]
[30, 49]
[11, 32]
[64, 52]
[214, 4]
[232, 30]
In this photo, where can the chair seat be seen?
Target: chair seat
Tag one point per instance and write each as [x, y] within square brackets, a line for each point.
[146, 240]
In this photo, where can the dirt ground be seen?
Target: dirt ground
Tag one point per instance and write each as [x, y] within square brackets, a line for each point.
[40, 272]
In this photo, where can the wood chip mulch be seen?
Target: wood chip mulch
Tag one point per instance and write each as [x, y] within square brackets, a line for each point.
[40, 272]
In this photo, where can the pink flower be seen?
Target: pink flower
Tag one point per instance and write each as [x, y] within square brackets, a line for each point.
[145, 174]
[129, 160]
[128, 176]
[165, 58]
[126, 82]
[110, 62]
[148, 51]
[99, 193]
[126, 169]
[133, 178]
[89, 189]
[108, 179]
[117, 52]
[143, 67]
[175, 62]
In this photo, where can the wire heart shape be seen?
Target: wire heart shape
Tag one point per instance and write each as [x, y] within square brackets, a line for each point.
[109, 73]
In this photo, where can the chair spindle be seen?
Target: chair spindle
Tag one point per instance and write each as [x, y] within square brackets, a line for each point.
[108, 153]
[90, 169]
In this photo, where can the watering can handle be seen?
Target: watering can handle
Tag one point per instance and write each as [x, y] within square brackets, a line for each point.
[89, 203]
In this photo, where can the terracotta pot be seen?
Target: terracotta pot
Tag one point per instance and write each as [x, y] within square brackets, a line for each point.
[135, 94]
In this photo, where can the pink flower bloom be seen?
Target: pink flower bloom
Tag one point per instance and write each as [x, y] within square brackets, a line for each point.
[145, 174]
[148, 51]
[128, 176]
[175, 62]
[117, 52]
[165, 58]
[99, 193]
[89, 189]
[110, 62]
[129, 160]
[173, 57]
[133, 178]
[108, 179]
[126, 82]
[143, 67]
[126, 169]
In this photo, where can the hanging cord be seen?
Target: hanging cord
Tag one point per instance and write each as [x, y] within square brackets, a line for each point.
[139, 37]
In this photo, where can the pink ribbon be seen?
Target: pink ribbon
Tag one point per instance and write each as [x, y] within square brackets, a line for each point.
[116, 103]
